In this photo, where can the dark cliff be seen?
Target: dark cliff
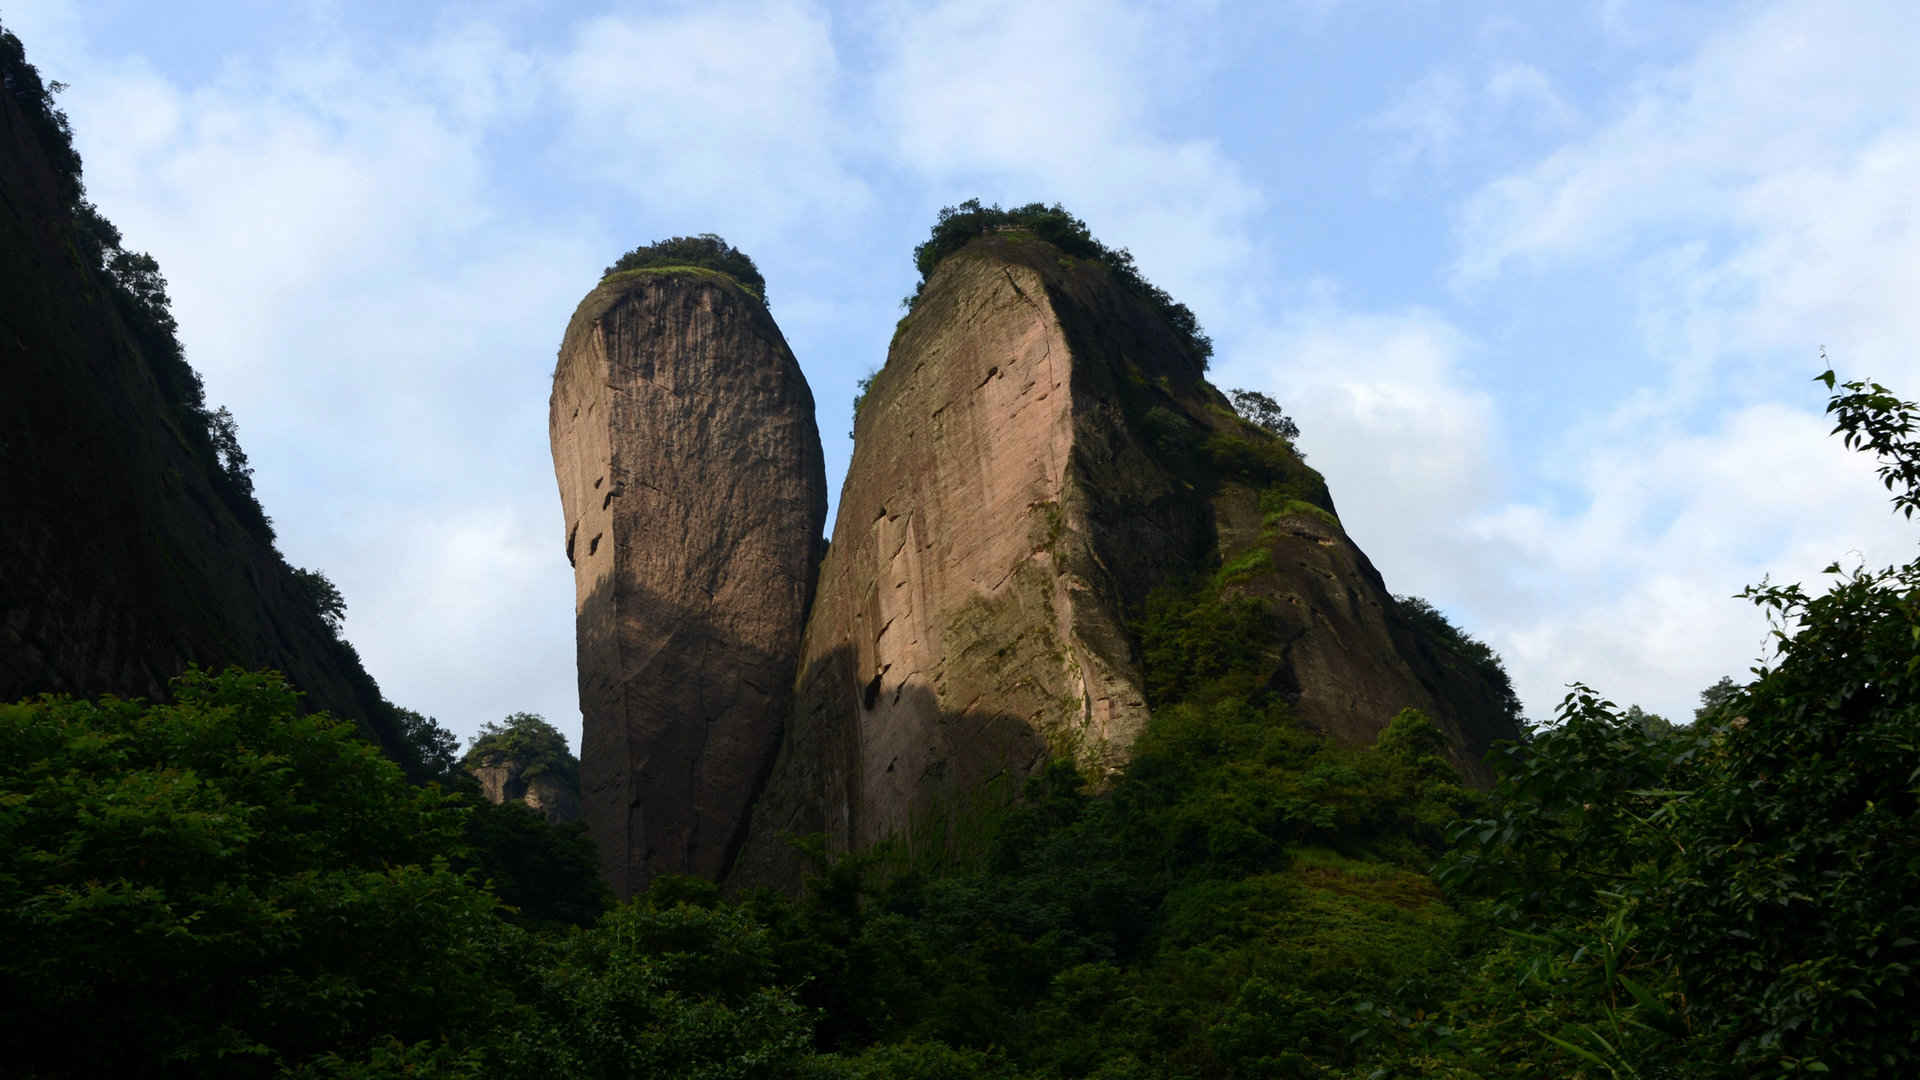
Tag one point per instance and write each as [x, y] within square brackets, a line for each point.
[1038, 456]
[123, 557]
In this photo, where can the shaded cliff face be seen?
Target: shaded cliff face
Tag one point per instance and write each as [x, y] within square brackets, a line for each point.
[694, 492]
[119, 562]
[1038, 455]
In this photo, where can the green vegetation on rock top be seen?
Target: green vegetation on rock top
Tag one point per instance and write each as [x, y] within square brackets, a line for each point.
[960, 225]
[527, 740]
[693, 254]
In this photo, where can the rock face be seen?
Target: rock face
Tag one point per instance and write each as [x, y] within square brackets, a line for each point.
[694, 490]
[1038, 454]
[503, 779]
[120, 563]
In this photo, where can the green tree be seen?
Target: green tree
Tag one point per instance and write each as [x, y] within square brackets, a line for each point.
[431, 751]
[959, 225]
[683, 991]
[324, 596]
[525, 738]
[1742, 894]
[1265, 413]
[707, 251]
[1716, 699]
[1432, 623]
[224, 886]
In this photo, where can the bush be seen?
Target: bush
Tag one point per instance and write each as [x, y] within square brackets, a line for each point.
[528, 740]
[706, 251]
[959, 225]
[224, 884]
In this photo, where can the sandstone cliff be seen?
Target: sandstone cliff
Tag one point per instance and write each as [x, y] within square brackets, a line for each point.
[694, 491]
[120, 560]
[1038, 454]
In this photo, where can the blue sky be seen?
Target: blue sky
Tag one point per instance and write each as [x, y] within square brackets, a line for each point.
[1543, 284]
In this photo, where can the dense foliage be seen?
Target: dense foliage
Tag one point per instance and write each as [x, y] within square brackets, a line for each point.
[526, 738]
[1265, 413]
[222, 884]
[1740, 897]
[959, 225]
[1438, 630]
[242, 890]
[706, 251]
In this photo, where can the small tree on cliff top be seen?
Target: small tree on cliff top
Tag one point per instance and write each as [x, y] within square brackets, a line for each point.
[958, 225]
[707, 251]
[527, 738]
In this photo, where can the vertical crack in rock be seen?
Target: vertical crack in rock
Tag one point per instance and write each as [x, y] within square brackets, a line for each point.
[684, 443]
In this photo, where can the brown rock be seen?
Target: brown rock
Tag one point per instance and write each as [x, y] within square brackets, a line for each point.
[691, 476]
[1038, 454]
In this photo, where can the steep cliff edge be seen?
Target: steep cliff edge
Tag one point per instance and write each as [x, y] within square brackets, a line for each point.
[1038, 456]
[121, 560]
[694, 490]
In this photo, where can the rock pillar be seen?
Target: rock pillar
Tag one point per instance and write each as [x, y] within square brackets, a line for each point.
[694, 491]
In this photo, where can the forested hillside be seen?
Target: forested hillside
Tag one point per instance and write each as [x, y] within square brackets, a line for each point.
[238, 890]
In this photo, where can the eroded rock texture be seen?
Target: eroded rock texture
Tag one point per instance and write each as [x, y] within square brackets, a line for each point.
[1038, 454]
[694, 491]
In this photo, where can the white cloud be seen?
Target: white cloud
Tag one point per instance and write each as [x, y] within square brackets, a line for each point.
[1672, 526]
[1525, 88]
[1446, 119]
[1060, 102]
[349, 278]
[1780, 92]
[1427, 118]
[726, 113]
[1754, 210]
[1389, 415]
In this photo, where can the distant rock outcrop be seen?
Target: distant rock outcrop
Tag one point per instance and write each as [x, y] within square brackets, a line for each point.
[1038, 454]
[524, 759]
[122, 559]
[694, 491]
[503, 780]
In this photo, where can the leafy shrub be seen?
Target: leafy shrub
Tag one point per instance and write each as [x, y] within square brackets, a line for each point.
[651, 992]
[1265, 413]
[1433, 624]
[527, 739]
[1737, 897]
[706, 251]
[859, 395]
[225, 884]
[959, 225]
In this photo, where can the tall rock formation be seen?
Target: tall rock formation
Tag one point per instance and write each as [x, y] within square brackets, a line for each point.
[694, 490]
[123, 558]
[1038, 454]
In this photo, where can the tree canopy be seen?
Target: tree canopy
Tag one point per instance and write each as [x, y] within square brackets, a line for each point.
[1265, 413]
[959, 225]
[528, 739]
[707, 251]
